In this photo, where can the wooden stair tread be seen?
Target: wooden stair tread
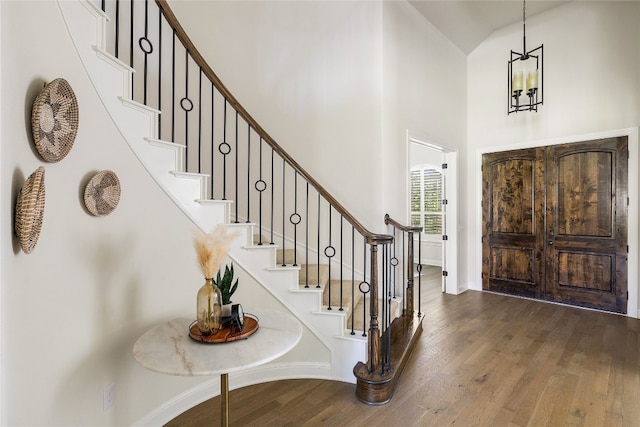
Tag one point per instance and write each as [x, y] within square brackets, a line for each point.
[314, 274]
[286, 257]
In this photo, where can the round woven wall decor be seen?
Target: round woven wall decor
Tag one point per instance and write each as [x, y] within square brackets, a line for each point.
[54, 120]
[30, 211]
[102, 194]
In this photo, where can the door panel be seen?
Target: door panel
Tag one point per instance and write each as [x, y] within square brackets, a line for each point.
[584, 193]
[513, 264]
[555, 223]
[587, 223]
[512, 247]
[512, 196]
[585, 271]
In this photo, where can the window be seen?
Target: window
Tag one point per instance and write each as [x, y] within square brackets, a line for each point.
[426, 199]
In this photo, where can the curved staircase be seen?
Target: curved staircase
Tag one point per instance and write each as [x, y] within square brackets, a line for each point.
[267, 264]
[346, 290]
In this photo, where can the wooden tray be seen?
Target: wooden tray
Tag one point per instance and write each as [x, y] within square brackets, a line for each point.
[227, 334]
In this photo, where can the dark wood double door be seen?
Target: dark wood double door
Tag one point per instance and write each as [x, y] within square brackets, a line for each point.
[555, 223]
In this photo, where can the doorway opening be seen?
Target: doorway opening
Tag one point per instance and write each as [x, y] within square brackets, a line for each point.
[431, 196]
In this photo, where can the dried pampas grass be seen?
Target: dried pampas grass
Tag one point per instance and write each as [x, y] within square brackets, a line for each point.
[212, 248]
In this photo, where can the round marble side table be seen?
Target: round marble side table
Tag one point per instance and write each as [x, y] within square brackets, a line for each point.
[168, 349]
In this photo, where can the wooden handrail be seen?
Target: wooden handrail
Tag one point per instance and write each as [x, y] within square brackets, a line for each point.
[408, 228]
[172, 20]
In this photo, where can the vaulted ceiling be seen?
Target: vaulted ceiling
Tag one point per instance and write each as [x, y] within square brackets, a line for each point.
[468, 22]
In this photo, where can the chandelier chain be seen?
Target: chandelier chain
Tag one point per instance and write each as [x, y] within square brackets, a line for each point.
[524, 29]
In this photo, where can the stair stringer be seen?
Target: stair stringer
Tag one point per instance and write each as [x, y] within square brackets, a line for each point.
[137, 124]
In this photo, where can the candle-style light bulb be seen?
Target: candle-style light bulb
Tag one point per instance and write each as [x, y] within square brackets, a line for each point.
[517, 83]
[532, 80]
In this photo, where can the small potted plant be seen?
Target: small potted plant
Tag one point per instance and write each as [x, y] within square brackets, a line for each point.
[211, 249]
[227, 287]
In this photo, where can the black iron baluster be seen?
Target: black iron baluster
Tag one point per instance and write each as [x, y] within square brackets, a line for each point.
[419, 268]
[117, 39]
[173, 88]
[390, 282]
[248, 173]
[271, 242]
[341, 264]
[329, 252]
[224, 148]
[236, 200]
[146, 47]
[131, 36]
[260, 186]
[387, 355]
[283, 214]
[318, 245]
[394, 264]
[213, 143]
[187, 106]
[406, 260]
[295, 218]
[160, 14]
[353, 278]
[306, 256]
[200, 121]
[385, 294]
[389, 332]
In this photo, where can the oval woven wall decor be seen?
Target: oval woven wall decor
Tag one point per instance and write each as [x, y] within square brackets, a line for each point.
[30, 210]
[54, 120]
[102, 193]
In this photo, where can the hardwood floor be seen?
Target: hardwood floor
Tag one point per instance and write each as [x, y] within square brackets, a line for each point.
[483, 360]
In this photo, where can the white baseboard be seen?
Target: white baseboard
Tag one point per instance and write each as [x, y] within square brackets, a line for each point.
[211, 388]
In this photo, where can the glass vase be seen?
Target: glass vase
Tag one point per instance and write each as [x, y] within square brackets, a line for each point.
[209, 308]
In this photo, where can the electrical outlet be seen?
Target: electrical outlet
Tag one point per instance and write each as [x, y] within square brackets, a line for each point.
[109, 396]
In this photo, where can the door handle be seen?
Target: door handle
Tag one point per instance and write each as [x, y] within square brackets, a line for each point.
[550, 242]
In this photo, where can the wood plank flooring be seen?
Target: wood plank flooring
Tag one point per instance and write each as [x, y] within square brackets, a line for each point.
[483, 360]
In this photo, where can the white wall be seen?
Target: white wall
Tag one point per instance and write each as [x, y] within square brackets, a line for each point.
[424, 96]
[424, 92]
[592, 82]
[73, 308]
[310, 73]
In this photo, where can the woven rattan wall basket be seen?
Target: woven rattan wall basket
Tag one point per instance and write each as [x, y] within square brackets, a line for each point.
[30, 211]
[102, 193]
[54, 120]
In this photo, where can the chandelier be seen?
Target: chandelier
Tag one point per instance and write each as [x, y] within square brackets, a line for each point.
[525, 76]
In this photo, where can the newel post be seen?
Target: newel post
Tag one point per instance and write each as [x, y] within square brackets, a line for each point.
[389, 343]
[408, 307]
[374, 328]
